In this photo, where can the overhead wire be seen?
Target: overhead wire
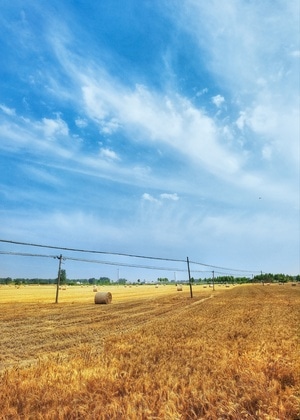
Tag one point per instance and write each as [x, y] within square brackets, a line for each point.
[225, 268]
[129, 255]
[92, 251]
[111, 263]
[114, 263]
[27, 254]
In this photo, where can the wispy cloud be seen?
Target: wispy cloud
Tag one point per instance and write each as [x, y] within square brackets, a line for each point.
[172, 197]
[7, 110]
[162, 197]
[151, 117]
[149, 197]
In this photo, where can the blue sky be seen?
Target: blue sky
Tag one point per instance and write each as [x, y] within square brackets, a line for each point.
[159, 128]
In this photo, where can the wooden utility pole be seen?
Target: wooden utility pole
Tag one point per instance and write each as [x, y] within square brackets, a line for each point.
[190, 280]
[58, 278]
[213, 280]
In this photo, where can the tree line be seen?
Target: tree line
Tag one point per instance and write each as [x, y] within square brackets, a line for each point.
[261, 278]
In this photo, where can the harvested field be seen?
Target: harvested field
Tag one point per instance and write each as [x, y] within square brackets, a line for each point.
[153, 353]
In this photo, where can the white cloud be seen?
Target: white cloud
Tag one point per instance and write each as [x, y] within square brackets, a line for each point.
[7, 111]
[170, 119]
[172, 197]
[218, 100]
[249, 48]
[52, 128]
[276, 126]
[262, 119]
[109, 154]
[49, 136]
[162, 197]
[149, 197]
[81, 122]
[109, 126]
[240, 122]
[201, 92]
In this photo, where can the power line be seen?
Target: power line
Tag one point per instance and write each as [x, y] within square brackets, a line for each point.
[112, 263]
[127, 255]
[92, 251]
[225, 268]
[126, 265]
[25, 254]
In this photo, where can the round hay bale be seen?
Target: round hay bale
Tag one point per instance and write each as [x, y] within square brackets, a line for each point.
[95, 289]
[179, 288]
[103, 297]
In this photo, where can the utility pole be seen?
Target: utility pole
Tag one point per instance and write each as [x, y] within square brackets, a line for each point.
[190, 281]
[213, 280]
[58, 278]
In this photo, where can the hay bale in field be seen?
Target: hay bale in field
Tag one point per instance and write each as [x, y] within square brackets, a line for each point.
[179, 288]
[103, 297]
[95, 289]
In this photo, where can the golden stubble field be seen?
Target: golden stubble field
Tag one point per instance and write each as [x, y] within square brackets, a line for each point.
[154, 353]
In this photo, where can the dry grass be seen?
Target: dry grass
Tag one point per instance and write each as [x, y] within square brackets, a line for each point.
[153, 353]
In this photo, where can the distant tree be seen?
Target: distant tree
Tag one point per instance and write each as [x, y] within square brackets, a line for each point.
[122, 281]
[281, 278]
[103, 280]
[162, 279]
[63, 277]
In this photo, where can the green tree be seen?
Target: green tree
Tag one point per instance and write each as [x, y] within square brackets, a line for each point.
[122, 281]
[103, 280]
[162, 279]
[63, 277]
